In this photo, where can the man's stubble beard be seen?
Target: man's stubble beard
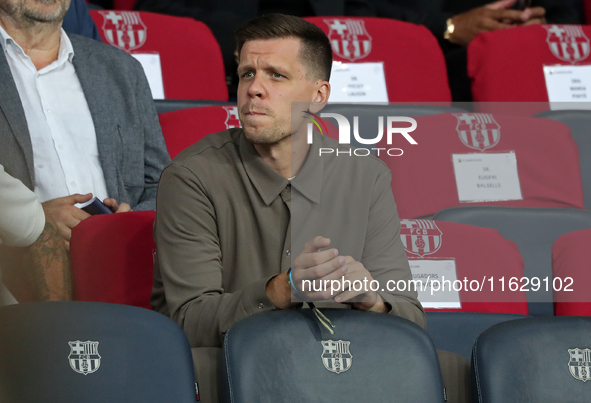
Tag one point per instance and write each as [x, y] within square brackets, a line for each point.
[35, 15]
[268, 136]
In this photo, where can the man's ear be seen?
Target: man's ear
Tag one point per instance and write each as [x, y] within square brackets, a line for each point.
[322, 92]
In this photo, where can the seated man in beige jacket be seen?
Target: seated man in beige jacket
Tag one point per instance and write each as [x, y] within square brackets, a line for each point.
[243, 210]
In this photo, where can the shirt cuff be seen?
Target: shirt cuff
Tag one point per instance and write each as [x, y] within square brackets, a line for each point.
[256, 299]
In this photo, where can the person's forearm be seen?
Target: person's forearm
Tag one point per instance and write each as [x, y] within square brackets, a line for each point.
[405, 308]
[206, 319]
[279, 292]
[47, 264]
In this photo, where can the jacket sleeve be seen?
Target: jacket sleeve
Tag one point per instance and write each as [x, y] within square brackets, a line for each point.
[21, 215]
[156, 156]
[190, 262]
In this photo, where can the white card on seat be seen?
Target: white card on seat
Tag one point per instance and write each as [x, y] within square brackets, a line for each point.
[151, 64]
[569, 87]
[487, 177]
[437, 278]
[358, 82]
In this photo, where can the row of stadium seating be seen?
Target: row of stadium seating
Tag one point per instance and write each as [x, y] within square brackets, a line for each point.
[504, 65]
[489, 245]
[553, 150]
[121, 353]
[96, 352]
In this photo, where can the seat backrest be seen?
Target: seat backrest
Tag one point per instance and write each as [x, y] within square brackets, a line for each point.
[506, 65]
[368, 116]
[281, 356]
[424, 181]
[368, 113]
[113, 258]
[479, 255]
[571, 260]
[457, 331]
[185, 127]
[579, 123]
[534, 230]
[415, 71]
[72, 352]
[542, 360]
[187, 48]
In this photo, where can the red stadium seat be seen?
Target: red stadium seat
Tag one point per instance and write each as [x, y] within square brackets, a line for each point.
[191, 59]
[480, 254]
[112, 258]
[413, 61]
[423, 179]
[187, 126]
[571, 261]
[506, 65]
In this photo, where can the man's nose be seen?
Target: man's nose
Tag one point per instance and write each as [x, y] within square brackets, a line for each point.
[257, 87]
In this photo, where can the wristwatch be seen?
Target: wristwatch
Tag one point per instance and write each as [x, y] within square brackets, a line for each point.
[449, 29]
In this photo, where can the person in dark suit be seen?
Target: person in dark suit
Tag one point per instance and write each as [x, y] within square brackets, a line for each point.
[460, 22]
[471, 17]
[456, 22]
[475, 16]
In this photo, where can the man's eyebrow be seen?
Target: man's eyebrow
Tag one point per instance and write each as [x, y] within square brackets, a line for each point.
[278, 69]
[266, 67]
[245, 67]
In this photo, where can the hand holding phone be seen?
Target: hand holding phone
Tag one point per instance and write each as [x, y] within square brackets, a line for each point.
[94, 206]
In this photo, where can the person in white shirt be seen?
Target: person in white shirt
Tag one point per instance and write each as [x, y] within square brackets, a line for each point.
[23, 224]
[21, 215]
[76, 115]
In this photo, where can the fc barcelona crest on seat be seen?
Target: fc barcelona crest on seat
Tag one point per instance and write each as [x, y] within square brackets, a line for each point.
[336, 356]
[349, 38]
[579, 363]
[420, 237]
[124, 29]
[84, 357]
[568, 42]
[232, 118]
[479, 131]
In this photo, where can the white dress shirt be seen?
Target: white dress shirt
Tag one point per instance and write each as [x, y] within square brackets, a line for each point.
[21, 215]
[62, 132]
[21, 220]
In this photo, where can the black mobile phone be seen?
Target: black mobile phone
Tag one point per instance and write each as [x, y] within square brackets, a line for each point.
[95, 206]
[521, 4]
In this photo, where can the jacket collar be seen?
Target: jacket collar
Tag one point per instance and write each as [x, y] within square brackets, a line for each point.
[269, 184]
